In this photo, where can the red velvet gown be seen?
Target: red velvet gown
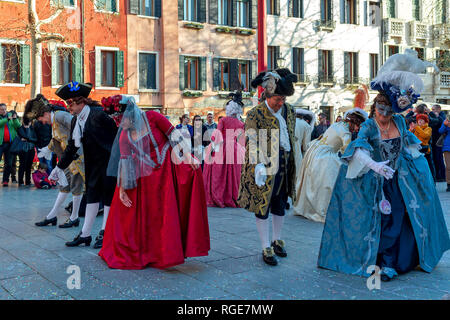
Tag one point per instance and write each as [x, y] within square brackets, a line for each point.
[168, 218]
[222, 169]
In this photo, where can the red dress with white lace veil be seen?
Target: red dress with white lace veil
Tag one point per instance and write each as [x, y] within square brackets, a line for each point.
[168, 220]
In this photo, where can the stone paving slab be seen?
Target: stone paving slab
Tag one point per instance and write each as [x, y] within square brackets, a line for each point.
[34, 262]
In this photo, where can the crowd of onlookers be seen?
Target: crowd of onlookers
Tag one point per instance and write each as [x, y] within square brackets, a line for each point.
[18, 141]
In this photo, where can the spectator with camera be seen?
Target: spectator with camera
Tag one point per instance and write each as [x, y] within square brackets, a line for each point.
[9, 123]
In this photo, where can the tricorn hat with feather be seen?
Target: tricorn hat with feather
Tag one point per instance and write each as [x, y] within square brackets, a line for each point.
[36, 107]
[277, 82]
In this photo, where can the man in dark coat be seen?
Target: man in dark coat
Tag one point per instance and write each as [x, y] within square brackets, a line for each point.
[95, 131]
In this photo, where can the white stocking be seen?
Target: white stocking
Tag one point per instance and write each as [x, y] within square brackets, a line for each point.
[89, 219]
[277, 224]
[62, 196]
[76, 202]
[105, 216]
[263, 229]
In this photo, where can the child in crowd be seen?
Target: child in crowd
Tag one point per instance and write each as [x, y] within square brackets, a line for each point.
[422, 131]
[40, 177]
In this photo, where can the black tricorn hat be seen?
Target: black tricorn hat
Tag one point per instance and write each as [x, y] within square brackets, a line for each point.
[36, 107]
[284, 82]
[236, 97]
[74, 89]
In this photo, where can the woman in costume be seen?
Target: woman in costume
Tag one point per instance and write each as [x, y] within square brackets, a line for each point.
[320, 167]
[158, 214]
[224, 157]
[384, 209]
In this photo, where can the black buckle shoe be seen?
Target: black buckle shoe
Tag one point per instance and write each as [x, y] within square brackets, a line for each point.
[269, 256]
[99, 240]
[46, 222]
[69, 223]
[79, 240]
[278, 248]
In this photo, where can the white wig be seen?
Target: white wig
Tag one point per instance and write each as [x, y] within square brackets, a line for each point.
[233, 109]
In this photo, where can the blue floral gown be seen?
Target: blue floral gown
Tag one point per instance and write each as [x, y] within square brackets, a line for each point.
[357, 235]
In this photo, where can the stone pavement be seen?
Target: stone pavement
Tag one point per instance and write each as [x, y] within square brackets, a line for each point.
[34, 262]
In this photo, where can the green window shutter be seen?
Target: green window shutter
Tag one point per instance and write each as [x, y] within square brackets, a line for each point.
[133, 7]
[320, 72]
[295, 60]
[98, 68]
[277, 7]
[253, 14]
[330, 63]
[180, 9]
[216, 74]
[119, 69]
[203, 77]
[365, 14]
[112, 5]
[55, 68]
[253, 70]
[1, 62]
[202, 11]
[25, 64]
[234, 75]
[213, 11]
[182, 84]
[347, 74]
[158, 8]
[77, 66]
[234, 21]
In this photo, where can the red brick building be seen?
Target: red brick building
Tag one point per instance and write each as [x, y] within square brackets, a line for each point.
[94, 47]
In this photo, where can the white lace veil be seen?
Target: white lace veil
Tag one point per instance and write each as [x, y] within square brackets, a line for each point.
[130, 156]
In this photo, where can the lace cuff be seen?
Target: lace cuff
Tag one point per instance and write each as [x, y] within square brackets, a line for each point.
[126, 176]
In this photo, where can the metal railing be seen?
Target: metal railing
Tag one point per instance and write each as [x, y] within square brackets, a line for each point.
[326, 25]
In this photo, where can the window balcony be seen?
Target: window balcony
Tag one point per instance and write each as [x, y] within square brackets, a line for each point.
[418, 31]
[394, 28]
[303, 79]
[441, 33]
[326, 80]
[445, 80]
[325, 25]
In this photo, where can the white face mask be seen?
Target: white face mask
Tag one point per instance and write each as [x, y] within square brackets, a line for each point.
[384, 110]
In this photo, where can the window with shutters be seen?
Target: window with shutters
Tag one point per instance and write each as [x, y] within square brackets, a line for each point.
[374, 14]
[273, 7]
[64, 66]
[373, 65]
[326, 66]
[393, 50]
[191, 10]
[272, 57]
[224, 69]
[443, 60]
[295, 8]
[243, 13]
[244, 74]
[64, 3]
[351, 67]
[148, 71]
[298, 63]
[390, 9]
[108, 68]
[350, 11]
[225, 11]
[441, 11]
[11, 68]
[107, 5]
[326, 10]
[147, 8]
[420, 53]
[192, 73]
[417, 9]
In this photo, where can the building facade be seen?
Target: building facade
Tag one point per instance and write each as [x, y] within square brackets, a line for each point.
[333, 46]
[186, 56]
[81, 40]
[422, 25]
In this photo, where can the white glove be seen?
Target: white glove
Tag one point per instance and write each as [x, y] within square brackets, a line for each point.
[379, 167]
[59, 176]
[260, 175]
[45, 153]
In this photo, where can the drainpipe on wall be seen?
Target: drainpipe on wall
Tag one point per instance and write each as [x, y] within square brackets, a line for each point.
[82, 39]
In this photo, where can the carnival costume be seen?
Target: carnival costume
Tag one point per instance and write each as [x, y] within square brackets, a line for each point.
[384, 209]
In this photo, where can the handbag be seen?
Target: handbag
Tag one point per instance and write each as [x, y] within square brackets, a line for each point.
[440, 141]
[17, 145]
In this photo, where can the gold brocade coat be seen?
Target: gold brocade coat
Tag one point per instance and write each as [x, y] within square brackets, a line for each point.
[251, 197]
[60, 135]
